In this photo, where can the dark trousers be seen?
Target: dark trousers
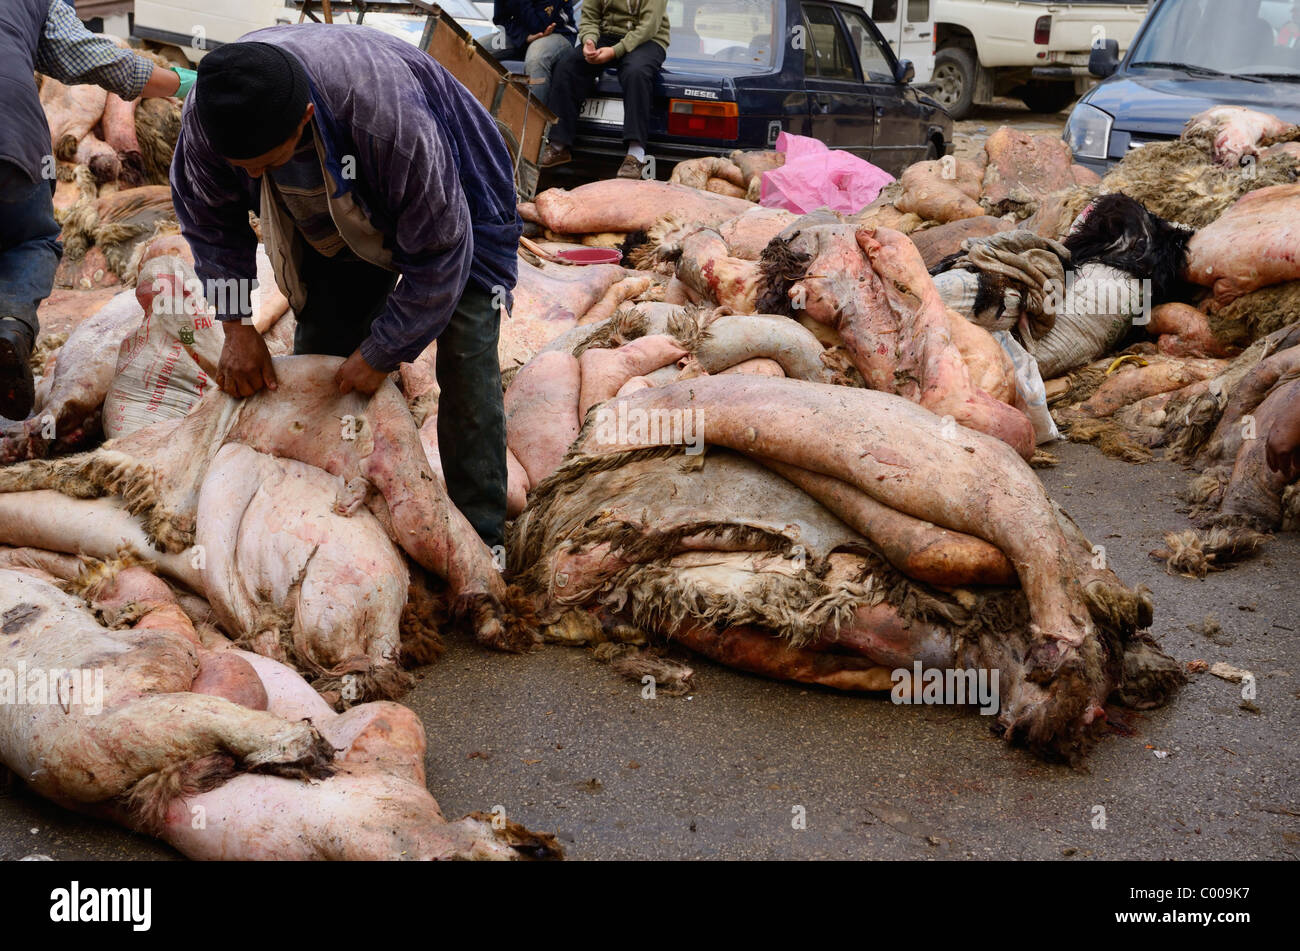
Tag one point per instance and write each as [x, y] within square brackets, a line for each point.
[29, 246]
[343, 299]
[574, 80]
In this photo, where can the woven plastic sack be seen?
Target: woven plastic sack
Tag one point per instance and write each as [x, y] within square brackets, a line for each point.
[158, 376]
[1096, 310]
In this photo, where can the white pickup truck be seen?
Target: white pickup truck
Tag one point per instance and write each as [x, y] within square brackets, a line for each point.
[1033, 50]
[187, 29]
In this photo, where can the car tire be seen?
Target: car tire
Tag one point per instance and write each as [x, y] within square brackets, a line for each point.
[954, 71]
[1048, 98]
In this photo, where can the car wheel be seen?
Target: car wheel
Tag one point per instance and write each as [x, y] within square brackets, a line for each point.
[954, 72]
[1048, 98]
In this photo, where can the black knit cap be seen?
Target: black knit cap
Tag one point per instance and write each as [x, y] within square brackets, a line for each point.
[250, 98]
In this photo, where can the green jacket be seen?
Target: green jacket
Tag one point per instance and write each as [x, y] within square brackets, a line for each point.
[634, 20]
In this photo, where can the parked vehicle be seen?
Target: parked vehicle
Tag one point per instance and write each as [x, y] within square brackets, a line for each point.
[1188, 55]
[1034, 50]
[739, 72]
[908, 26]
[187, 29]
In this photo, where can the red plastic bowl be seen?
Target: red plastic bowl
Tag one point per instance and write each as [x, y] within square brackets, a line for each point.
[590, 256]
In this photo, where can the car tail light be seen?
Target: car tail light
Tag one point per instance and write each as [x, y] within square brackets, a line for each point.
[1043, 31]
[703, 120]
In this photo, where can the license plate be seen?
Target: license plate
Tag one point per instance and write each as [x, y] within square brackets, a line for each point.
[608, 111]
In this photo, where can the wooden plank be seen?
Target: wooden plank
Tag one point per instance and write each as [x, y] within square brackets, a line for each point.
[326, 11]
[490, 83]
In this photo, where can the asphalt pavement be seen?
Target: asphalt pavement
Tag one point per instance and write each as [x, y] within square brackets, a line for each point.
[749, 768]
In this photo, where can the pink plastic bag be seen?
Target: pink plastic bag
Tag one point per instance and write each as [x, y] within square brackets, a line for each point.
[815, 176]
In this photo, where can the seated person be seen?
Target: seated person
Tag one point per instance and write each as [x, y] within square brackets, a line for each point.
[632, 36]
[537, 31]
[1290, 31]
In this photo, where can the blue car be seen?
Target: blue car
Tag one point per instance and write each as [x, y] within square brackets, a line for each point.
[738, 72]
[1188, 56]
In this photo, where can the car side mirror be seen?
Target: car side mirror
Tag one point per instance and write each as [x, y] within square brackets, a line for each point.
[904, 72]
[1103, 60]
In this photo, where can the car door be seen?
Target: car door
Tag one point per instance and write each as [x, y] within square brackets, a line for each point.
[899, 131]
[917, 43]
[886, 15]
[840, 106]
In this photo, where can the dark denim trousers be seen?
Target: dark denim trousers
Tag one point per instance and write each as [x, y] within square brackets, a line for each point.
[574, 79]
[29, 246]
[344, 298]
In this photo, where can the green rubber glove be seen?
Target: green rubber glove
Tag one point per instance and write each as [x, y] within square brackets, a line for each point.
[187, 80]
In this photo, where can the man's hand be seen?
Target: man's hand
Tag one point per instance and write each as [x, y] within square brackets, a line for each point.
[163, 81]
[245, 366]
[546, 32]
[596, 56]
[357, 374]
[1283, 447]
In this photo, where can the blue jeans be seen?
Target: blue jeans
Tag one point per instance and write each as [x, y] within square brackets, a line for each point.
[539, 56]
[29, 246]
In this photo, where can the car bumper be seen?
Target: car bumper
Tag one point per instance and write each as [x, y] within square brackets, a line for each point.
[1060, 72]
[665, 153]
[1100, 166]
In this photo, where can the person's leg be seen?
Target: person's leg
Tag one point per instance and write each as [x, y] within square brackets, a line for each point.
[29, 256]
[343, 299]
[497, 45]
[572, 79]
[540, 59]
[471, 414]
[637, 72]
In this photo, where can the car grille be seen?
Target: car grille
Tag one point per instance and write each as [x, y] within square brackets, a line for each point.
[1137, 141]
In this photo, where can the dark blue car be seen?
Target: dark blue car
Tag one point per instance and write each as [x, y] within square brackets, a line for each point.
[1188, 56]
[740, 71]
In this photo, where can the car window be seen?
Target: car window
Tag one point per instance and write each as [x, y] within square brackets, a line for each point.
[884, 11]
[828, 49]
[809, 51]
[1228, 36]
[729, 31]
[918, 11]
[875, 61]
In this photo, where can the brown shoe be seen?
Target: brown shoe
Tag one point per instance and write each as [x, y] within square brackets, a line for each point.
[632, 168]
[554, 155]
